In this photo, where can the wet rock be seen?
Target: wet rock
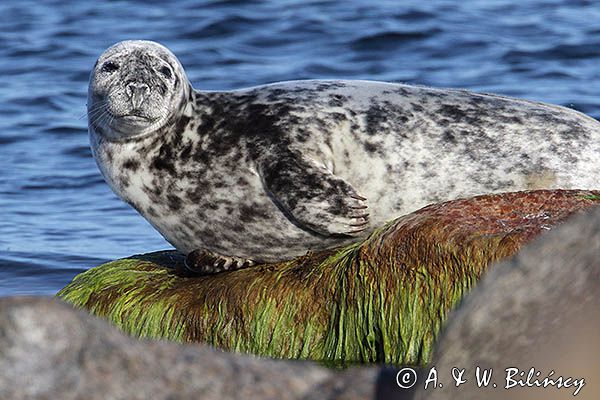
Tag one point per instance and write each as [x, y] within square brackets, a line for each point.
[381, 300]
[539, 308]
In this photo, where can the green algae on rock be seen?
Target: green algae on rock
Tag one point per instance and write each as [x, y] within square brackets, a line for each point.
[380, 300]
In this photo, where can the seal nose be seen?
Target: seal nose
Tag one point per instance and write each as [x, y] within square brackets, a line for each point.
[137, 92]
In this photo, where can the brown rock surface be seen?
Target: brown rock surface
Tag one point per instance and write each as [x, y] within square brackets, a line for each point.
[381, 300]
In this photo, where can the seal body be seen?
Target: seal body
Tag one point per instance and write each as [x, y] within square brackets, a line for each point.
[269, 172]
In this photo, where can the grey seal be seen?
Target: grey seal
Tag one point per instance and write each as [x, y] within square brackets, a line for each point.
[269, 172]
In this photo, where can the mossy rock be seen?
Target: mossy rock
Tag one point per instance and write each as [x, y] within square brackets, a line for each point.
[383, 299]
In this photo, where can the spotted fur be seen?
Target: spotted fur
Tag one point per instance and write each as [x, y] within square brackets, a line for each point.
[269, 172]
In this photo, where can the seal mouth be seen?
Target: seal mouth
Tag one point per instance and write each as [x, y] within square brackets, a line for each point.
[130, 126]
[135, 118]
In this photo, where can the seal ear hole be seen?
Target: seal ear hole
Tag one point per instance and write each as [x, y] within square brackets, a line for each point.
[109, 67]
[166, 71]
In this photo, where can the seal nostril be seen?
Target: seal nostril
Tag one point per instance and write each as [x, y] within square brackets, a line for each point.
[137, 91]
[137, 88]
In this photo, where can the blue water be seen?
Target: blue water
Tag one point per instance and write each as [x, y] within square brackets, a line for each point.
[59, 218]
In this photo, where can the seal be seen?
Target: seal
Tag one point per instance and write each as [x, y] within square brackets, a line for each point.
[269, 172]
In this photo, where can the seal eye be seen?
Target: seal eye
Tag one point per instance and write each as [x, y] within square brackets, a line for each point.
[109, 67]
[166, 71]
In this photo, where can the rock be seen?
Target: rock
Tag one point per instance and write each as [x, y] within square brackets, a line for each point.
[540, 309]
[48, 350]
[381, 300]
[358, 383]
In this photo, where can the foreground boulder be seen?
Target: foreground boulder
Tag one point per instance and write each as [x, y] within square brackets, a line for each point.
[48, 350]
[541, 310]
[380, 300]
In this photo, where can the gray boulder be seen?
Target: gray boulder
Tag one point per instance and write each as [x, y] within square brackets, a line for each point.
[539, 309]
[48, 350]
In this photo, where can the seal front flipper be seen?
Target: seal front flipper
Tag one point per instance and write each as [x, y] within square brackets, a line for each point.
[206, 262]
[313, 197]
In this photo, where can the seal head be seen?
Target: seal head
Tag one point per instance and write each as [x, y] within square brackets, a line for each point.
[136, 88]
